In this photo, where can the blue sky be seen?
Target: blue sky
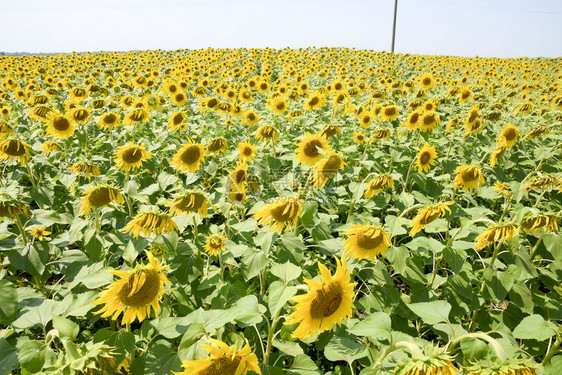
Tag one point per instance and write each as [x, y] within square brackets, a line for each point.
[502, 28]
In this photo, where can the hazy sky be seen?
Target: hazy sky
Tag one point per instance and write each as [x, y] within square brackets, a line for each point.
[502, 28]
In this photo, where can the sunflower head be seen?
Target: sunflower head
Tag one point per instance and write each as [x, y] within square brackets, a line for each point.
[177, 121]
[267, 133]
[425, 158]
[10, 203]
[327, 168]
[135, 116]
[358, 138]
[189, 157]
[217, 145]
[100, 196]
[86, 169]
[310, 148]
[495, 233]
[282, 215]
[189, 201]
[468, 177]
[377, 184]
[508, 135]
[130, 157]
[59, 125]
[15, 149]
[428, 121]
[542, 181]
[109, 121]
[428, 214]
[150, 222]
[540, 221]
[246, 151]
[366, 241]
[214, 244]
[434, 360]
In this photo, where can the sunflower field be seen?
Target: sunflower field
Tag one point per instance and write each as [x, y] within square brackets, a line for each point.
[295, 211]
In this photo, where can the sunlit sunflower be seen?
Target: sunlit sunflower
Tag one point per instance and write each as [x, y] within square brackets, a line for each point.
[428, 121]
[542, 181]
[138, 290]
[285, 211]
[150, 222]
[314, 102]
[179, 99]
[217, 145]
[98, 197]
[278, 105]
[508, 135]
[425, 158]
[130, 157]
[59, 125]
[109, 121]
[40, 112]
[88, 170]
[189, 201]
[246, 151]
[464, 95]
[15, 149]
[358, 138]
[308, 150]
[223, 361]
[79, 115]
[49, 146]
[215, 244]
[468, 177]
[366, 241]
[502, 188]
[251, 118]
[189, 157]
[39, 233]
[538, 222]
[330, 131]
[389, 113]
[327, 168]
[177, 121]
[366, 120]
[138, 115]
[236, 193]
[497, 153]
[5, 129]
[239, 175]
[329, 302]
[428, 214]
[473, 128]
[379, 134]
[433, 361]
[495, 233]
[537, 131]
[267, 133]
[426, 81]
[412, 121]
[377, 184]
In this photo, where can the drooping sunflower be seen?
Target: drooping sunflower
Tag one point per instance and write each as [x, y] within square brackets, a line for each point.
[223, 361]
[285, 211]
[508, 135]
[327, 168]
[380, 134]
[329, 302]
[542, 181]
[314, 102]
[540, 221]
[15, 149]
[214, 244]
[308, 150]
[189, 157]
[137, 115]
[497, 153]
[236, 193]
[49, 146]
[468, 177]
[428, 214]
[109, 121]
[366, 241]
[217, 145]
[428, 121]
[136, 293]
[433, 361]
[130, 157]
[511, 366]
[412, 121]
[177, 121]
[189, 201]
[99, 196]
[11, 207]
[150, 222]
[88, 170]
[267, 133]
[495, 233]
[240, 174]
[425, 158]
[377, 184]
[79, 115]
[59, 125]
[246, 151]
[537, 131]
[473, 128]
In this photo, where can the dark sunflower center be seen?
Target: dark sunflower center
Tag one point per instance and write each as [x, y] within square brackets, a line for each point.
[61, 123]
[280, 105]
[212, 103]
[99, 197]
[428, 218]
[239, 197]
[390, 111]
[426, 81]
[131, 155]
[251, 116]
[216, 144]
[138, 115]
[414, 118]
[472, 116]
[178, 119]
[143, 295]
[110, 118]
[332, 165]
[429, 119]
[470, 174]
[425, 157]
[180, 97]
[191, 202]
[15, 148]
[314, 101]
[311, 148]
[240, 176]
[247, 151]
[366, 119]
[191, 155]
[222, 366]
[510, 134]
[327, 301]
[369, 239]
[80, 114]
[285, 212]
[378, 183]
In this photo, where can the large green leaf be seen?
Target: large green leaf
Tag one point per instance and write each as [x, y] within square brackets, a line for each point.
[376, 326]
[344, 349]
[534, 327]
[431, 312]
[8, 302]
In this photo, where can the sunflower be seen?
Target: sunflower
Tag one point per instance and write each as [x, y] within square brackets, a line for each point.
[109, 121]
[240, 174]
[150, 222]
[495, 233]
[330, 131]
[40, 112]
[425, 158]
[215, 244]
[130, 157]
[389, 113]
[366, 120]
[537, 131]
[433, 361]
[267, 133]
[502, 188]
[508, 135]
[464, 95]
[189, 157]
[366, 241]
[135, 116]
[412, 121]
[49, 146]
[428, 121]
[5, 129]
[236, 193]
[497, 153]
[177, 121]
[14, 149]
[284, 211]
[377, 184]
[39, 232]
[179, 99]
[59, 125]
[278, 105]
[428, 214]
[358, 137]
[468, 177]
[327, 168]
[453, 123]
[473, 128]
[223, 361]
[189, 201]
[217, 145]
[246, 151]
[315, 101]
[12, 208]
[537, 222]
[86, 169]
[545, 181]
[426, 81]
[136, 292]
[98, 197]
[250, 118]
[79, 115]
[380, 134]
[329, 302]
[308, 150]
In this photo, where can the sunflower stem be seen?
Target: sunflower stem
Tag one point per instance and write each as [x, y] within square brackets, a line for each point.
[408, 176]
[128, 198]
[539, 198]
[221, 266]
[435, 270]
[483, 336]
[270, 335]
[412, 348]
[33, 182]
[553, 350]
[535, 248]
[20, 227]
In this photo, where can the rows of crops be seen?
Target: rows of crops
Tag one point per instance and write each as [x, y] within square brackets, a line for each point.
[310, 211]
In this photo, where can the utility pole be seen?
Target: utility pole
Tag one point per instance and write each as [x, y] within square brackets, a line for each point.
[394, 24]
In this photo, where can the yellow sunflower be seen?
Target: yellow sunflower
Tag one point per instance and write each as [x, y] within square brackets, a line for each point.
[39, 233]
[366, 241]
[433, 361]
[308, 150]
[497, 153]
[136, 292]
[130, 157]
[377, 184]
[284, 211]
[358, 137]
[495, 233]
[189, 157]
[217, 145]
[109, 121]
[329, 302]
[177, 121]
[215, 244]
[537, 222]
[135, 116]
[537, 131]
[79, 115]
[59, 125]
[428, 214]
[426, 81]
[98, 197]
[412, 121]
[150, 222]
[428, 121]
[189, 201]
[267, 133]
[251, 118]
[545, 181]
[330, 131]
[49, 147]
[508, 135]
[223, 361]
[327, 168]
[425, 158]
[468, 177]
[389, 113]
[315, 101]
[88, 170]
[240, 174]
[278, 105]
[246, 151]
[236, 193]
[15, 149]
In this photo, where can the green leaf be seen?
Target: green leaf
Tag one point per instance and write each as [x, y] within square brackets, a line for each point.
[130, 253]
[303, 365]
[396, 225]
[120, 339]
[162, 359]
[31, 259]
[66, 327]
[376, 326]
[279, 294]
[8, 357]
[253, 261]
[171, 327]
[286, 271]
[33, 355]
[431, 312]
[474, 350]
[309, 210]
[344, 349]
[193, 333]
[288, 347]
[8, 302]
[38, 315]
[534, 327]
